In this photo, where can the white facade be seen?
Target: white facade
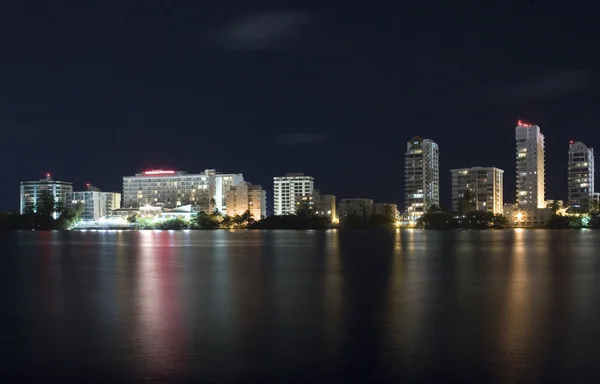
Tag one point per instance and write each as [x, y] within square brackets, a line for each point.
[530, 166]
[287, 188]
[223, 184]
[246, 197]
[31, 190]
[95, 204]
[581, 176]
[167, 188]
[422, 176]
[486, 185]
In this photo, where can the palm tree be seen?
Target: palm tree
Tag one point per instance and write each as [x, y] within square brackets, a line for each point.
[555, 206]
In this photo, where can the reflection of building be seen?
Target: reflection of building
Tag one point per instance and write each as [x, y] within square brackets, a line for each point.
[170, 189]
[530, 166]
[96, 204]
[31, 191]
[322, 205]
[581, 176]
[421, 176]
[287, 188]
[355, 207]
[485, 185]
[246, 197]
[386, 209]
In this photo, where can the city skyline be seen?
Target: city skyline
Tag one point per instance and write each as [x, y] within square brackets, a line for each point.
[91, 92]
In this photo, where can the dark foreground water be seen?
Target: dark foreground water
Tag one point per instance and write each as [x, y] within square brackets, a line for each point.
[289, 307]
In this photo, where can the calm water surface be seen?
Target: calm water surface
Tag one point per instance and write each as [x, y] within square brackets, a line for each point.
[293, 306]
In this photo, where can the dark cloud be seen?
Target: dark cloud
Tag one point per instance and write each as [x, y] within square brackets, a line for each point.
[302, 138]
[548, 86]
[260, 31]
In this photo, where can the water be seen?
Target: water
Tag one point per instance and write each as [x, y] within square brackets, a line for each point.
[293, 306]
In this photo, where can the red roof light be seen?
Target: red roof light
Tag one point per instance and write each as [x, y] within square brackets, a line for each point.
[159, 172]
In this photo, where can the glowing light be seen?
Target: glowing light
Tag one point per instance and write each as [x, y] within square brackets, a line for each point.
[519, 216]
[159, 172]
[523, 124]
[88, 184]
[48, 175]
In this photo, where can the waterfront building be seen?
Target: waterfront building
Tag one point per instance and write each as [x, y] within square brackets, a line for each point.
[530, 166]
[421, 176]
[287, 188]
[355, 207]
[319, 204]
[170, 189]
[580, 177]
[386, 209]
[246, 197]
[32, 190]
[485, 186]
[96, 204]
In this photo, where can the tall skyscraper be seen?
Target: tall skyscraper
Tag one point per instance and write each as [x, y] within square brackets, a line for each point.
[581, 176]
[246, 197]
[421, 176]
[287, 188]
[530, 166]
[485, 185]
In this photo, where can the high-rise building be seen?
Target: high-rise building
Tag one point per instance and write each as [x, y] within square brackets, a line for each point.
[422, 176]
[530, 166]
[246, 197]
[31, 191]
[96, 204]
[581, 176]
[485, 189]
[169, 189]
[355, 207]
[287, 188]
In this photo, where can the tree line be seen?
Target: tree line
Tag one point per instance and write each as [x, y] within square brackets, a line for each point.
[46, 214]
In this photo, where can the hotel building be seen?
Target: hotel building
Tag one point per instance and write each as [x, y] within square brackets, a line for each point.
[485, 185]
[31, 191]
[287, 188]
[171, 189]
[581, 176]
[421, 176]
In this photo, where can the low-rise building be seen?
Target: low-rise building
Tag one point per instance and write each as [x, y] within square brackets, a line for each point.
[319, 204]
[355, 207]
[386, 209]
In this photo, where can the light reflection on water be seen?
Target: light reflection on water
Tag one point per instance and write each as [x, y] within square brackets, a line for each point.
[295, 306]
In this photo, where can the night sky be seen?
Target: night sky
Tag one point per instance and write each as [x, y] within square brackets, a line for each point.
[93, 91]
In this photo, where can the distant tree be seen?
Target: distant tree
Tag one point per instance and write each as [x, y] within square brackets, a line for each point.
[555, 206]
[132, 219]
[45, 205]
[207, 221]
[466, 203]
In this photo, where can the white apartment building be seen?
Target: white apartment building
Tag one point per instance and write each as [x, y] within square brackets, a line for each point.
[169, 189]
[246, 197]
[287, 188]
[31, 190]
[530, 166]
[96, 204]
[581, 176]
[486, 185]
[355, 207]
[421, 176]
